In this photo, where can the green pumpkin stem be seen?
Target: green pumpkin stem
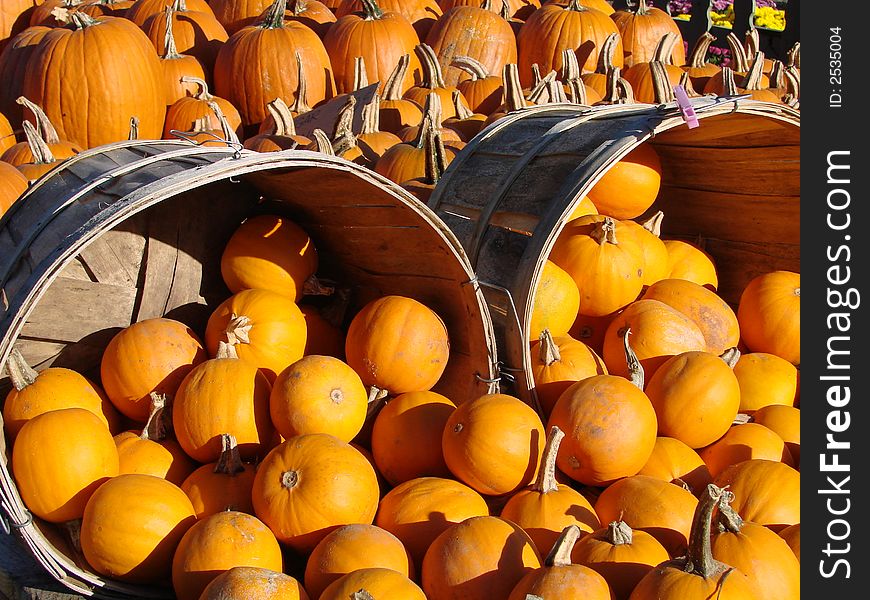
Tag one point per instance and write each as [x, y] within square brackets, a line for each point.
[546, 479]
[371, 10]
[44, 126]
[699, 560]
[560, 555]
[576, 6]
[20, 373]
[274, 16]
[81, 20]
[230, 461]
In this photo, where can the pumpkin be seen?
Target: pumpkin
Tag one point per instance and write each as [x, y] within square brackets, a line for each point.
[92, 113]
[792, 537]
[674, 461]
[751, 84]
[641, 30]
[464, 122]
[421, 14]
[265, 328]
[311, 484]
[713, 316]
[699, 69]
[698, 574]
[610, 429]
[546, 508]
[318, 394]
[269, 252]
[141, 10]
[353, 547]
[223, 485]
[743, 442]
[132, 525]
[597, 80]
[766, 492]
[372, 141]
[559, 578]
[398, 344]
[152, 451]
[380, 37]
[606, 266]
[176, 66]
[253, 583]
[765, 558]
[220, 542]
[653, 250]
[494, 443]
[556, 302]
[34, 393]
[620, 554]
[576, 90]
[185, 111]
[196, 32]
[419, 510]
[105, 8]
[324, 336]
[786, 422]
[688, 261]
[739, 65]
[153, 355]
[13, 15]
[406, 436]
[630, 186]
[512, 94]
[396, 113]
[312, 14]
[16, 52]
[660, 508]
[282, 135]
[258, 63]
[222, 395]
[21, 153]
[478, 559]
[557, 363]
[59, 459]
[13, 183]
[582, 208]
[553, 28]
[482, 90]
[202, 133]
[235, 15]
[769, 314]
[519, 9]
[591, 330]
[368, 584]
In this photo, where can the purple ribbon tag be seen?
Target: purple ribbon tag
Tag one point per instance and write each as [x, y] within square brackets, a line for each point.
[685, 106]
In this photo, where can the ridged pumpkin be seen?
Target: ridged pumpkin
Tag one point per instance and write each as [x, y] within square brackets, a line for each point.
[620, 554]
[220, 542]
[13, 64]
[311, 484]
[176, 66]
[494, 443]
[555, 304]
[642, 28]
[223, 485]
[265, 328]
[419, 510]
[482, 89]
[269, 252]
[12, 184]
[432, 82]
[675, 462]
[153, 355]
[142, 9]
[132, 525]
[479, 559]
[59, 459]
[397, 344]
[766, 492]
[765, 380]
[396, 112]
[786, 422]
[652, 82]
[353, 547]
[376, 582]
[21, 153]
[769, 314]
[688, 261]
[184, 112]
[254, 583]
[236, 14]
[546, 508]
[196, 32]
[743, 442]
[558, 362]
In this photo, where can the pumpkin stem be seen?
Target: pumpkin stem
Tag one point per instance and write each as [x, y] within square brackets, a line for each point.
[170, 50]
[226, 350]
[436, 155]
[663, 91]
[792, 82]
[513, 90]
[202, 93]
[431, 118]
[393, 86]
[536, 75]
[230, 461]
[576, 6]
[549, 350]
[686, 82]
[546, 480]
[371, 10]
[299, 7]
[274, 17]
[289, 479]
[698, 56]
[560, 554]
[321, 143]
[654, 224]
[729, 85]
[665, 48]
[300, 103]
[577, 90]
[728, 519]
[731, 356]
[604, 231]
[159, 424]
[20, 373]
[361, 595]
[635, 369]
[371, 116]
[471, 66]
[462, 110]
[741, 419]
[343, 138]
[238, 330]
[738, 54]
[619, 533]
[376, 400]
[283, 118]
[752, 80]
[605, 55]
[752, 41]
[360, 76]
[793, 56]
[134, 128]
[228, 134]
[626, 92]
[540, 93]
[44, 127]
[41, 152]
[81, 20]
[699, 560]
[570, 65]
[315, 286]
[432, 75]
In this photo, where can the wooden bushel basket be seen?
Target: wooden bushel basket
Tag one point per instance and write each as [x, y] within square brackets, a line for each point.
[135, 230]
[732, 183]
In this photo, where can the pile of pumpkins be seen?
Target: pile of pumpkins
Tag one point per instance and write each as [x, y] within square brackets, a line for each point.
[89, 72]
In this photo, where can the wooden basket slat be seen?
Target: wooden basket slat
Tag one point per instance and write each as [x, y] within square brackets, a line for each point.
[732, 130]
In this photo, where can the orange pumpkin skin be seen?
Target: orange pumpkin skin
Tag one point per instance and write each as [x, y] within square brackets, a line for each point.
[153, 355]
[254, 583]
[591, 331]
[673, 461]
[12, 184]
[163, 458]
[92, 113]
[219, 542]
[222, 395]
[397, 344]
[786, 422]
[641, 30]
[419, 510]
[653, 250]
[709, 312]
[141, 10]
[622, 559]
[769, 314]
[765, 380]
[766, 492]
[696, 397]
[197, 33]
[52, 487]
[132, 526]
[478, 559]
[564, 581]
[274, 329]
[493, 443]
[323, 337]
[556, 302]
[318, 394]
[378, 582]
[630, 186]
[743, 442]
[211, 492]
[792, 537]
[662, 509]
[669, 581]
[610, 429]
[406, 437]
[557, 363]
[687, 261]
[311, 484]
[352, 547]
[269, 252]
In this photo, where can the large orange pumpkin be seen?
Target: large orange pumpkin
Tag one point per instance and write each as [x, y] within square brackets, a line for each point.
[197, 32]
[642, 28]
[254, 583]
[769, 314]
[223, 485]
[630, 186]
[558, 362]
[12, 184]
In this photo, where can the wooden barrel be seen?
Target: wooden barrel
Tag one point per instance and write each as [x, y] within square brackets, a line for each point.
[135, 230]
[732, 183]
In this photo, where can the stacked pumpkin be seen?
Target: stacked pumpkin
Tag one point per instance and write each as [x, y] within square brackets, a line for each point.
[481, 59]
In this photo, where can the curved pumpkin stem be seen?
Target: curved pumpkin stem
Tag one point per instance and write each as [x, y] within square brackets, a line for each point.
[202, 93]
[699, 560]
[228, 133]
[462, 111]
[751, 42]
[393, 86]
[81, 20]
[343, 139]
[752, 81]
[274, 16]
[606, 54]
[727, 518]
[686, 82]
[230, 461]
[371, 116]
[738, 54]
[371, 10]
[300, 103]
[793, 82]
[731, 356]
[170, 50]
[619, 533]
[546, 480]
[541, 92]
[41, 152]
[431, 118]
[432, 75]
[321, 143]
[793, 57]
[570, 65]
[560, 555]
[576, 6]
[20, 373]
[635, 369]
[665, 48]
[698, 56]
[654, 224]
[472, 66]
[549, 351]
[360, 76]
[283, 118]
[134, 128]
[159, 422]
[513, 90]
[430, 135]
[663, 91]
[729, 85]
[44, 126]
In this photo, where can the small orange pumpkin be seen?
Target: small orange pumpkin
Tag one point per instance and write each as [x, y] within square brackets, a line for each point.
[792, 537]
[769, 314]
[556, 302]
[786, 422]
[376, 582]
[558, 362]
[222, 485]
[765, 380]
[673, 461]
[254, 583]
[630, 186]
[766, 492]
[688, 261]
[743, 442]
